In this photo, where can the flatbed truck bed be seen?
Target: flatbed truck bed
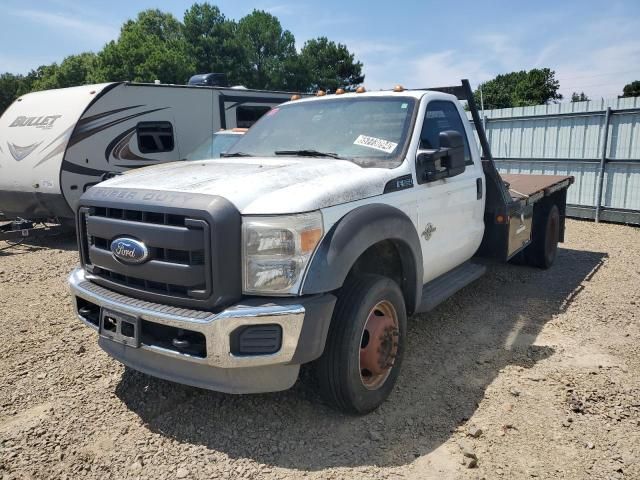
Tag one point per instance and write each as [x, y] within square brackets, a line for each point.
[534, 187]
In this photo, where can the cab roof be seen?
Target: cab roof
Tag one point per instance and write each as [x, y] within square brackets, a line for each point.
[417, 94]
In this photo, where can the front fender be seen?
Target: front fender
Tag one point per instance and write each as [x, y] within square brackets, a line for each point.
[352, 235]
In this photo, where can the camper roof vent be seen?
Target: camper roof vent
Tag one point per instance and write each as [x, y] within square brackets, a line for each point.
[209, 80]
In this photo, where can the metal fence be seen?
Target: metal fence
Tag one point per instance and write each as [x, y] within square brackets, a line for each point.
[598, 142]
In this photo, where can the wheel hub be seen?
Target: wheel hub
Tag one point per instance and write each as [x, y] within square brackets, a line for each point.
[379, 345]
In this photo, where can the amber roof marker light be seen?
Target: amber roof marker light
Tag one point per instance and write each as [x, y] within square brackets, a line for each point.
[320, 93]
[398, 88]
[361, 89]
[295, 97]
[340, 91]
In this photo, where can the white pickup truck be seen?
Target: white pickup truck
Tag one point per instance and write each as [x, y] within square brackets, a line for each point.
[315, 236]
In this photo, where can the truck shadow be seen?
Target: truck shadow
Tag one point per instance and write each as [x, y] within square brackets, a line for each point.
[453, 354]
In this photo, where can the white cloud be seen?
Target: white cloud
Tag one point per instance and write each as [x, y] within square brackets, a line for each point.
[22, 64]
[385, 62]
[601, 73]
[447, 68]
[597, 57]
[546, 55]
[281, 9]
[391, 64]
[500, 48]
[97, 33]
[366, 48]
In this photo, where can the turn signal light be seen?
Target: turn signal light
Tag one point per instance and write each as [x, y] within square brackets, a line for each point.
[309, 239]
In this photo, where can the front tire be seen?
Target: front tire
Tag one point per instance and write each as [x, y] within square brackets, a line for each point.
[365, 345]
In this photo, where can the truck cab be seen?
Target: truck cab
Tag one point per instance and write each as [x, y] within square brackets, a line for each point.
[310, 241]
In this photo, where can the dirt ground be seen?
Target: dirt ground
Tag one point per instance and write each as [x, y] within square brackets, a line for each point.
[534, 373]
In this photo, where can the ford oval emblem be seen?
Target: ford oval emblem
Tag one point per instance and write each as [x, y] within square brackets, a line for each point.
[129, 251]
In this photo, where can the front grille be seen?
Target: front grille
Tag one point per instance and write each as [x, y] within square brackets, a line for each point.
[193, 241]
[183, 257]
[140, 216]
[140, 283]
[179, 266]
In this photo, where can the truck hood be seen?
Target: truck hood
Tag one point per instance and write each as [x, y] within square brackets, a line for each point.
[264, 185]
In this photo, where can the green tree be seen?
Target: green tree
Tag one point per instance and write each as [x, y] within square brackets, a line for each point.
[38, 78]
[329, 65]
[11, 87]
[579, 97]
[256, 52]
[151, 47]
[74, 70]
[520, 89]
[631, 89]
[213, 41]
[267, 51]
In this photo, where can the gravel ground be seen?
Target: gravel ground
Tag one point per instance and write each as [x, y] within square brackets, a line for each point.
[526, 373]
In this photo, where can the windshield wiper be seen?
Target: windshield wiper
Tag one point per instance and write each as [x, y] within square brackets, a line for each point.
[308, 153]
[236, 154]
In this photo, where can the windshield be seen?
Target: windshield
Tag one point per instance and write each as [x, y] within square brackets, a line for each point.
[214, 146]
[370, 131]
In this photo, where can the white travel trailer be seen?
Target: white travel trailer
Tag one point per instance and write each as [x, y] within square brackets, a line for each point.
[55, 144]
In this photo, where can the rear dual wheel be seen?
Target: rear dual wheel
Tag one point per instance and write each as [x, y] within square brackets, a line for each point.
[365, 345]
[542, 251]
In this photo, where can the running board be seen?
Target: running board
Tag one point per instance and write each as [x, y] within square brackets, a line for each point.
[438, 290]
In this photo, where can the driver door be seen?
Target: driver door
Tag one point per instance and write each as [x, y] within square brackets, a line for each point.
[450, 214]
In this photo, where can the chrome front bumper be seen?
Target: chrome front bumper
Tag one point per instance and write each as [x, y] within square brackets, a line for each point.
[216, 327]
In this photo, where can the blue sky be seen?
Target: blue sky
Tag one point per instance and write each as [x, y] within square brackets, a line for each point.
[593, 45]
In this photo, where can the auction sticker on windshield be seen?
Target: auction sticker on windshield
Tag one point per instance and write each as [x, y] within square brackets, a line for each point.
[376, 143]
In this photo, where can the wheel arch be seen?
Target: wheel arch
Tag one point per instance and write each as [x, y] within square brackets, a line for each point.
[360, 234]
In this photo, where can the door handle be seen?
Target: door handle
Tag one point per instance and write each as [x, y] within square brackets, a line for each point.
[478, 188]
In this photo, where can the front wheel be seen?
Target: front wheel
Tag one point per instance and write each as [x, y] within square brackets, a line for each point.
[365, 345]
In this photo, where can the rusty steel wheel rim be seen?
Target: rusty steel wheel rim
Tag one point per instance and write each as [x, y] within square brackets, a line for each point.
[378, 345]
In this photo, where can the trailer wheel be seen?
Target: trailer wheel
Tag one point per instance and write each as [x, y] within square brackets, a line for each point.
[365, 345]
[546, 233]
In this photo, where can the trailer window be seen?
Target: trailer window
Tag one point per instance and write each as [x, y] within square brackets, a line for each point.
[248, 115]
[155, 137]
[442, 115]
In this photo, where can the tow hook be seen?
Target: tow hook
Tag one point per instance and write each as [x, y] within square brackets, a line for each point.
[180, 342]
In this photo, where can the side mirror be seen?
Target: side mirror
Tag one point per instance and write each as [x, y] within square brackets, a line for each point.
[453, 142]
[447, 161]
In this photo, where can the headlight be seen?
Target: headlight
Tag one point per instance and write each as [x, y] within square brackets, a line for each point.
[276, 251]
